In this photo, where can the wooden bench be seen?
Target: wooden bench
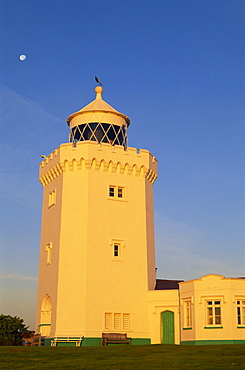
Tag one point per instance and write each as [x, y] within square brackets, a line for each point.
[115, 338]
[77, 340]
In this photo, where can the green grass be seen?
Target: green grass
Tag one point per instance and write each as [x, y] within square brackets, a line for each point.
[229, 356]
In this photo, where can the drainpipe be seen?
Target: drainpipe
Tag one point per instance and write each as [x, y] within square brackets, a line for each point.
[179, 316]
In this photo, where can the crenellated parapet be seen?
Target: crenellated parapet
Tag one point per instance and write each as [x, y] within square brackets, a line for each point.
[84, 157]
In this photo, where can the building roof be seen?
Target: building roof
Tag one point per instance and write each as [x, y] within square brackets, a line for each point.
[211, 276]
[162, 284]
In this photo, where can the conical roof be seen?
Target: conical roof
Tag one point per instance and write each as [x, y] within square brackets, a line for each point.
[98, 111]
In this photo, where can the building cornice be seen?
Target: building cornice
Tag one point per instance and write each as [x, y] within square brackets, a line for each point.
[53, 166]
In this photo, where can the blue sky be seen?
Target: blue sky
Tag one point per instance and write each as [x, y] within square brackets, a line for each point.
[176, 69]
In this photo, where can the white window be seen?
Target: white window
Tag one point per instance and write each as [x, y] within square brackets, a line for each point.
[49, 247]
[240, 312]
[213, 312]
[187, 314]
[52, 198]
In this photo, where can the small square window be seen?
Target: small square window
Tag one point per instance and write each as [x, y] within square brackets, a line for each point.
[117, 247]
[116, 192]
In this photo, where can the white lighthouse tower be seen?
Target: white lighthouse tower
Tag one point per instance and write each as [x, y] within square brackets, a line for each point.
[97, 259]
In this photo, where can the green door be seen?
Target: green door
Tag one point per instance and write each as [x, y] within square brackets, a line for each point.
[167, 326]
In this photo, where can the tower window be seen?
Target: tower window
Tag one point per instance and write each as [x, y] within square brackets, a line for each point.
[120, 192]
[116, 251]
[116, 192]
[49, 247]
[52, 198]
[112, 191]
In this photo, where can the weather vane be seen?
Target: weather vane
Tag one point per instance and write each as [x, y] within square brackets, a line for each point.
[97, 80]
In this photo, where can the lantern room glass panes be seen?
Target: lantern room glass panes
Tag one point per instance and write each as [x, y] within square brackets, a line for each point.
[100, 132]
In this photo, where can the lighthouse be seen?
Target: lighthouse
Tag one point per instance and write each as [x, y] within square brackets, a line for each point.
[97, 256]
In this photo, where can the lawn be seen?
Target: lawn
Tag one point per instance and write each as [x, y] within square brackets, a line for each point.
[122, 357]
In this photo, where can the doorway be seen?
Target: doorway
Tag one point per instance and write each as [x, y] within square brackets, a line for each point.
[167, 327]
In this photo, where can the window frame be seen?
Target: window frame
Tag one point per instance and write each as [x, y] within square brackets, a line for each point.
[240, 311]
[117, 246]
[187, 313]
[112, 191]
[117, 321]
[48, 249]
[126, 324]
[116, 250]
[108, 321]
[117, 192]
[120, 192]
[51, 198]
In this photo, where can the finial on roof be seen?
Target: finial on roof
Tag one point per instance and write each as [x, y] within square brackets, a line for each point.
[99, 91]
[99, 88]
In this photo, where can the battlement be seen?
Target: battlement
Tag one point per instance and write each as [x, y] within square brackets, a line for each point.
[92, 156]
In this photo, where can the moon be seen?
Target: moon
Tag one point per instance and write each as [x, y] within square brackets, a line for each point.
[22, 57]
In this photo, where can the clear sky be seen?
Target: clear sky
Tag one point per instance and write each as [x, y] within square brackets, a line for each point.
[176, 69]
